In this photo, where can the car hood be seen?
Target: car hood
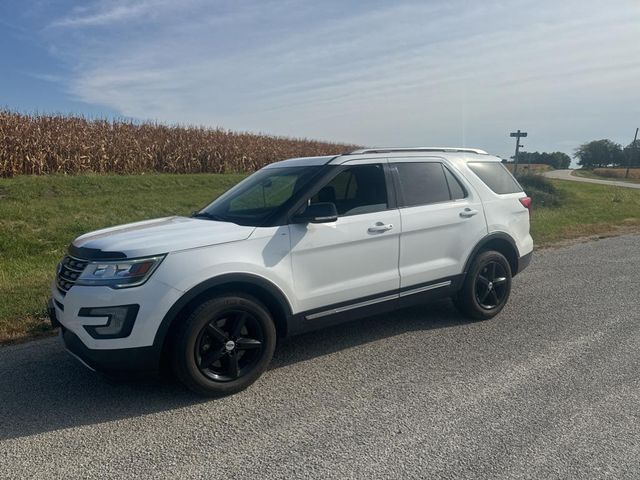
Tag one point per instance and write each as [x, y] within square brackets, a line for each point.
[161, 235]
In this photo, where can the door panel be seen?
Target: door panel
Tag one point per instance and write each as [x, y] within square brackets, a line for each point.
[343, 261]
[436, 240]
[441, 225]
[356, 256]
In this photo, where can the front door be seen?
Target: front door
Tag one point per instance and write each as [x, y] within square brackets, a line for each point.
[355, 257]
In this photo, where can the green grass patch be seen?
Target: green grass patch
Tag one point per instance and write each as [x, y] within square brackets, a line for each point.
[586, 209]
[40, 216]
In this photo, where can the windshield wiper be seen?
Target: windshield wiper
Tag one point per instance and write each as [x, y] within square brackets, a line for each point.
[209, 216]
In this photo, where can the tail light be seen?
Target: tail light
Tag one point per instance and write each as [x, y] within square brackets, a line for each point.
[526, 203]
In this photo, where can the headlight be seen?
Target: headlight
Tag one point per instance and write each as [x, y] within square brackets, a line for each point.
[119, 274]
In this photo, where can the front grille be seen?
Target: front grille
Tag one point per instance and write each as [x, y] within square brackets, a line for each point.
[68, 272]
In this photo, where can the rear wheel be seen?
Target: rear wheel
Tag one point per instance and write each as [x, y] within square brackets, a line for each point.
[486, 287]
[224, 345]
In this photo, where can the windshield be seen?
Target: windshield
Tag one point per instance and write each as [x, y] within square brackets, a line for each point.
[258, 197]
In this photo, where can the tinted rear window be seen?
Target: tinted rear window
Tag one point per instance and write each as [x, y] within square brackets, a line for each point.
[422, 183]
[496, 176]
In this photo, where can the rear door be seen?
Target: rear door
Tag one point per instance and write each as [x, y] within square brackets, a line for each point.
[442, 219]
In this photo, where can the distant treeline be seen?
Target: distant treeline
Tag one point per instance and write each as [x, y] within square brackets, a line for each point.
[44, 144]
[595, 154]
[604, 153]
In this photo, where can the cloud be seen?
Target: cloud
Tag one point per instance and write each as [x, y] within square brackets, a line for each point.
[404, 73]
[109, 12]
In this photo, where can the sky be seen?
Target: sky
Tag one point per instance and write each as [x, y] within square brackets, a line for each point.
[372, 73]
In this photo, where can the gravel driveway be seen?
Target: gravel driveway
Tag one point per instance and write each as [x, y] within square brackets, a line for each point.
[548, 389]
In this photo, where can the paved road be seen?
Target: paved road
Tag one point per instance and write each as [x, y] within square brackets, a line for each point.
[566, 175]
[549, 389]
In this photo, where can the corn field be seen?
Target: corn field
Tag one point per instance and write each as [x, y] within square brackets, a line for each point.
[45, 144]
[617, 172]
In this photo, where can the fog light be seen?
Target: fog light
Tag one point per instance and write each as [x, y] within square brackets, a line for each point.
[119, 324]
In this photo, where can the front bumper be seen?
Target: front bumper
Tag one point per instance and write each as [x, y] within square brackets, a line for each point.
[136, 350]
[51, 311]
[153, 298]
[141, 359]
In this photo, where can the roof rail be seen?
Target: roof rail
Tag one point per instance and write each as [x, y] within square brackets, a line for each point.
[418, 149]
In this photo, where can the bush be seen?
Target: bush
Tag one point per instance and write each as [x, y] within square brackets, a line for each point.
[541, 190]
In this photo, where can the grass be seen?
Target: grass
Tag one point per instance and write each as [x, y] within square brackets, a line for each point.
[590, 174]
[587, 209]
[39, 216]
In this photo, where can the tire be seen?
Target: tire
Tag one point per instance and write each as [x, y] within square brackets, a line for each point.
[224, 345]
[486, 287]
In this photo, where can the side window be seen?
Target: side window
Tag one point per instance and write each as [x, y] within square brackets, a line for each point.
[422, 183]
[455, 187]
[495, 176]
[356, 190]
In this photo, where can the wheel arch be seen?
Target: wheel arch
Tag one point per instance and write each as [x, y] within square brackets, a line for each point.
[500, 242]
[260, 288]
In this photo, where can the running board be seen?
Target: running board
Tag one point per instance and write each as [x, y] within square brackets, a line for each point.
[386, 298]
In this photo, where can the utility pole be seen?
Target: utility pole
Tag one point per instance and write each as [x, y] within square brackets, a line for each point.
[518, 135]
[635, 150]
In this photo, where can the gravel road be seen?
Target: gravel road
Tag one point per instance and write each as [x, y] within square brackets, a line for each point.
[548, 389]
[566, 175]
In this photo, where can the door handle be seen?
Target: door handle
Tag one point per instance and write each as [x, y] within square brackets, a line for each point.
[380, 227]
[468, 213]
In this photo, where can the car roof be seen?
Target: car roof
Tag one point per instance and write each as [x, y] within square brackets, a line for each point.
[418, 149]
[460, 153]
[302, 162]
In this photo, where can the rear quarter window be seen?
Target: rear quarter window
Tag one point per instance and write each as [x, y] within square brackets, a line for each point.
[495, 176]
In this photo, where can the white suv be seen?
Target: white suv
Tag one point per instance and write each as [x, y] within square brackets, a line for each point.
[298, 245]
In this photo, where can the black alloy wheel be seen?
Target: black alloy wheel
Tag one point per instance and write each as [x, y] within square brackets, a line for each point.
[229, 345]
[491, 285]
[486, 287]
[224, 344]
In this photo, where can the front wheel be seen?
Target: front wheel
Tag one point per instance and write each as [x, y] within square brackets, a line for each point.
[486, 287]
[224, 345]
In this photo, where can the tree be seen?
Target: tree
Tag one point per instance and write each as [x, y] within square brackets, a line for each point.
[560, 160]
[632, 154]
[599, 153]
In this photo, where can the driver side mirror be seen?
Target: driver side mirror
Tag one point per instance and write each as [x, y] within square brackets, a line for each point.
[322, 212]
